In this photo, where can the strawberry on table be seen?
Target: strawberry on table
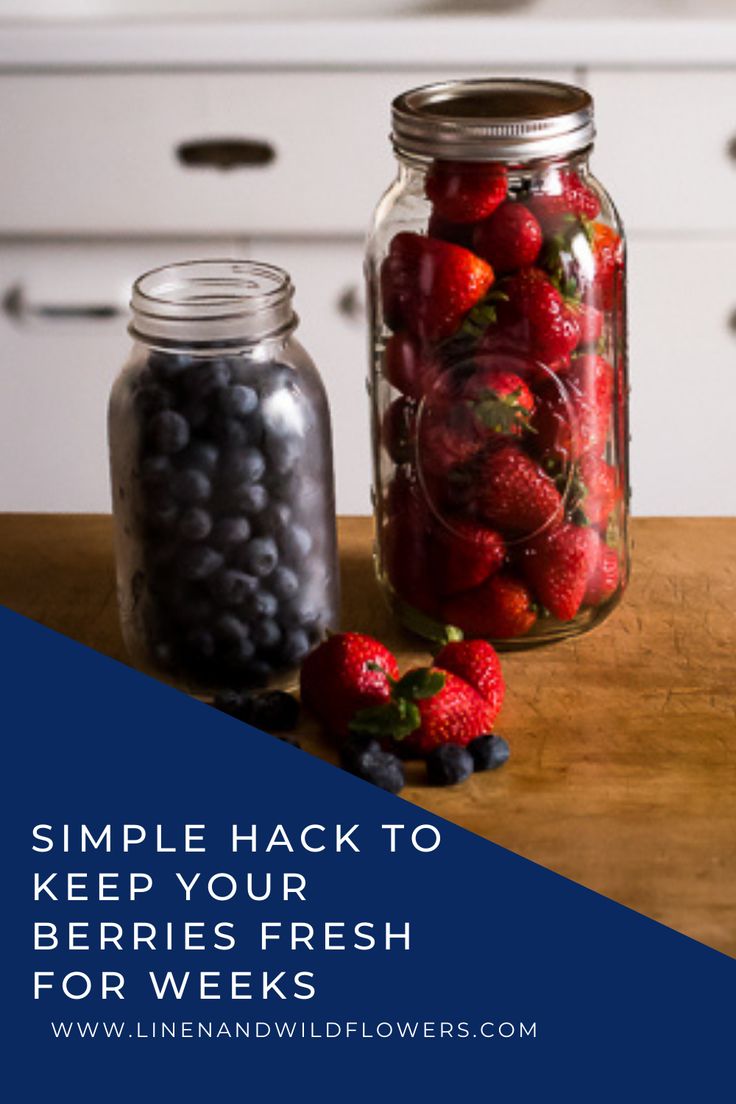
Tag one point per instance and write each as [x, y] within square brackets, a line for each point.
[511, 238]
[464, 555]
[501, 608]
[477, 662]
[348, 672]
[513, 493]
[428, 286]
[428, 707]
[462, 192]
[558, 564]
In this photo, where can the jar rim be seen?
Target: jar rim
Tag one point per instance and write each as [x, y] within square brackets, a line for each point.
[493, 119]
[212, 299]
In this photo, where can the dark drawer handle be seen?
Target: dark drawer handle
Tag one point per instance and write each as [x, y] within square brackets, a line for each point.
[17, 307]
[225, 153]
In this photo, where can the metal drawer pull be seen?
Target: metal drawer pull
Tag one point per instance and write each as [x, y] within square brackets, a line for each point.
[352, 305]
[732, 321]
[17, 307]
[225, 153]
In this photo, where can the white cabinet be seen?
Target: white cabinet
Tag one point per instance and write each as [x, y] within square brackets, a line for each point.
[683, 376]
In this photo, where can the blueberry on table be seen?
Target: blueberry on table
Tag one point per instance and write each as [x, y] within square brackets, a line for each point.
[230, 587]
[229, 531]
[489, 752]
[274, 711]
[191, 485]
[206, 376]
[364, 757]
[237, 400]
[244, 465]
[168, 432]
[284, 583]
[260, 556]
[250, 499]
[232, 702]
[449, 764]
[198, 561]
[194, 524]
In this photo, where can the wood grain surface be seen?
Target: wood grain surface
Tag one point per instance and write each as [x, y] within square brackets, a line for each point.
[623, 768]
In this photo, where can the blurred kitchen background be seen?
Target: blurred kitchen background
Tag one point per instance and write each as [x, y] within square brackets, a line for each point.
[104, 109]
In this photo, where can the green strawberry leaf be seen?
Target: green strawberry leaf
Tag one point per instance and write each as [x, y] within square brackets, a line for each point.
[419, 684]
[397, 719]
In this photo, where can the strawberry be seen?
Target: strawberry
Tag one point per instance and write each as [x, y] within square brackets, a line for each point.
[600, 489]
[458, 233]
[409, 365]
[428, 286]
[536, 318]
[513, 492]
[449, 435]
[608, 251]
[589, 320]
[501, 401]
[405, 545]
[558, 563]
[398, 430]
[590, 382]
[464, 556]
[566, 427]
[573, 199]
[477, 662]
[428, 707]
[462, 192]
[348, 672]
[511, 238]
[501, 608]
[604, 577]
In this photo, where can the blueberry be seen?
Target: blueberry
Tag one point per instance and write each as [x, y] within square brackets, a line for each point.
[205, 377]
[194, 609]
[489, 752]
[250, 499]
[237, 401]
[284, 453]
[256, 674]
[300, 611]
[231, 588]
[230, 628]
[191, 485]
[167, 366]
[150, 398]
[231, 702]
[449, 764]
[262, 604]
[198, 561]
[295, 646]
[274, 710]
[365, 758]
[162, 511]
[228, 531]
[266, 633]
[284, 583]
[275, 520]
[156, 472]
[201, 643]
[194, 524]
[243, 465]
[296, 543]
[168, 432]
[228, 432]
[260, 556]
[239, 654]
[201, 455]
[196, 413]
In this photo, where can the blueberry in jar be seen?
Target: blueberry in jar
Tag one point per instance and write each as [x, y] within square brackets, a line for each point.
[168, 432]
[260, 556]
[194, 524]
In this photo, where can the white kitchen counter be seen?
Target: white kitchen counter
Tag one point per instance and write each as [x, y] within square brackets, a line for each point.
[549, 33]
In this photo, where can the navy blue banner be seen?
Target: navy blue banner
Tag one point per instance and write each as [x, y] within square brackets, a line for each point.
[196, 911]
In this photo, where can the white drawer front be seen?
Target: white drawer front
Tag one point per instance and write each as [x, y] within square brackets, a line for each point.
[683, 358]
[666, 147]
[97, 153]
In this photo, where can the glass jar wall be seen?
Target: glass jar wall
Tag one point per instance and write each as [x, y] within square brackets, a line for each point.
[222, 482]
[498, 376]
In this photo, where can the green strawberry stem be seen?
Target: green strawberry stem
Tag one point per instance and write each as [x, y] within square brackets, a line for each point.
[399, 717]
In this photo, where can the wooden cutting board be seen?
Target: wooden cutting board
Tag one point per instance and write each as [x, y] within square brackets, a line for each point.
[623, 767]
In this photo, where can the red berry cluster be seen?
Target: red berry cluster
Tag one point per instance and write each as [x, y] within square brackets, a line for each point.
[503, 505]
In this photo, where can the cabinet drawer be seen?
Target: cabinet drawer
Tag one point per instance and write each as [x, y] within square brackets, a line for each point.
[667, 147]
[683, 351]
[97, 153]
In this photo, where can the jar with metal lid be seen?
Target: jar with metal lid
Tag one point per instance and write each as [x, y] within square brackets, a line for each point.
[222, 481]
[498, 377]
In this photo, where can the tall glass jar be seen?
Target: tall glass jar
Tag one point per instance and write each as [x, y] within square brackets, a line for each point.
[498, 377]
[222, 482]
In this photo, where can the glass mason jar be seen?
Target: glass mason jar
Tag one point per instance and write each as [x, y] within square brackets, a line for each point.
[498, 377]
[222, 482]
